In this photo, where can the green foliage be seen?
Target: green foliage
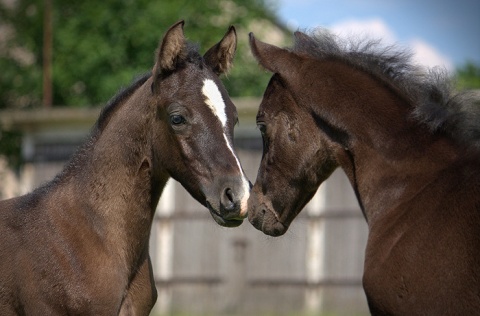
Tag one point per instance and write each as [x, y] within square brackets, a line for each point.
[11, 146]
[100, 46]
[468, 76]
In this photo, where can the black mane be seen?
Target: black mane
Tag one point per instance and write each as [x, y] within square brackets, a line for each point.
[430, 90]
[114, 102]
[80, 156]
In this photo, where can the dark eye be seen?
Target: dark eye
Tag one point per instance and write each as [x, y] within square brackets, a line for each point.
[262, 127]
[176, 119]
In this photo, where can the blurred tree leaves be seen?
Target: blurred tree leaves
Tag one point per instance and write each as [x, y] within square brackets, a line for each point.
[11, 147]
[100, 46]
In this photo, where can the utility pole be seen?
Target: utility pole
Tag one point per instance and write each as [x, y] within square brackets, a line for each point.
[47, 54]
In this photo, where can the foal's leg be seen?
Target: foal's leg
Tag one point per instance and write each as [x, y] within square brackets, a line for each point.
[142, 294]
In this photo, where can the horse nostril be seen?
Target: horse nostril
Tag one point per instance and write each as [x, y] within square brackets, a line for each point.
[228, 200]
[229, 194]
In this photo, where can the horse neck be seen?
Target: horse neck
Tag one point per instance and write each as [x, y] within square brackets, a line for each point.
[115, 182]
[384, 182]
[385, 147]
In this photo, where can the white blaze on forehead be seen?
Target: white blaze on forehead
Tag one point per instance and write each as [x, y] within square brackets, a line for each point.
[214, 100]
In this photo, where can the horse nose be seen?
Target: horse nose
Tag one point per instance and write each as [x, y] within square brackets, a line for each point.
[228, 201]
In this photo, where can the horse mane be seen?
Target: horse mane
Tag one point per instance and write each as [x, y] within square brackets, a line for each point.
[118, 99]
[436, 103]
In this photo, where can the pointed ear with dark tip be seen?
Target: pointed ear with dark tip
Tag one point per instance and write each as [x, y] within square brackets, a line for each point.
[170, 50]
[300, 36]
[271, 57]
[220, 56]
[308, 44]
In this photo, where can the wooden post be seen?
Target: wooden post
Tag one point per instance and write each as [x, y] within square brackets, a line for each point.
[47, 54]
[315, 259]
[236, 281]
[162, 249]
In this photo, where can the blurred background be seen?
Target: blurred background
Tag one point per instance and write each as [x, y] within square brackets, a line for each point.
[61, 61]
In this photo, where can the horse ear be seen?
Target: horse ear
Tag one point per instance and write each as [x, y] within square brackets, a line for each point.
[220, 56]
[308, 44]
[170, 50]
[300, 36]
[271, 57]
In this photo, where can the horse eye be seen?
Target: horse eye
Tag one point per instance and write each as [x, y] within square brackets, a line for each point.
[176, 119]
[262, 127]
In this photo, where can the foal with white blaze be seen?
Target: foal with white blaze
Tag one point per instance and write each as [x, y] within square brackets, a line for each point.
[78, 245]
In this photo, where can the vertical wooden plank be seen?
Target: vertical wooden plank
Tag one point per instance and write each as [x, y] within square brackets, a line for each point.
[236, 281]
[315, 252]
[47, 53]
[162, 252]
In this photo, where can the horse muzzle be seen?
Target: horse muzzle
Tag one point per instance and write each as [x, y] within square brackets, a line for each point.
[230, 208]
[262, 216]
